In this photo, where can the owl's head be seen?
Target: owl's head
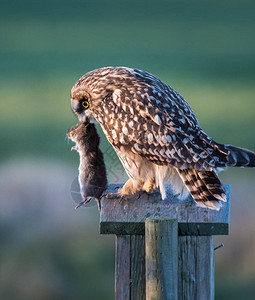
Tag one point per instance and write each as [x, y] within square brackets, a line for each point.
[81, 103]
[90, 92]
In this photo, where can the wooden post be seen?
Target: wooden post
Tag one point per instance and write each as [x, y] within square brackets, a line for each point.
[196, 267]
[130, 267]
[161, 250]
[196, 226]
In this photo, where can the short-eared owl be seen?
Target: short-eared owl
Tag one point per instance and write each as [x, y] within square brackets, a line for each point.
[155, 134]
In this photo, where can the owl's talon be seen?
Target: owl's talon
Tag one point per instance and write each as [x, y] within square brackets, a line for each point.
[139, 196]
[121, 198]
[116, 196]
[109, 195]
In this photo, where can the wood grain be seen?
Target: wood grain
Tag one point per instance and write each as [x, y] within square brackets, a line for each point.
[161, 252]
[196, 268]
[122, 267]
[130, 267]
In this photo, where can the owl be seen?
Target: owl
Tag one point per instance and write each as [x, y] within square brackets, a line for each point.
[156, 135]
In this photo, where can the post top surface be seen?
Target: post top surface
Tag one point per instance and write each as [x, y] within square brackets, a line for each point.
[128, 216]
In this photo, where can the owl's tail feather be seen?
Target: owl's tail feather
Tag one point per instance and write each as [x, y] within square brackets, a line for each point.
[229, 155]
[240, 157]
[204, 187]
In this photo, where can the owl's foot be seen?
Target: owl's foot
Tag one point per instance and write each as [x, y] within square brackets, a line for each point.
[116, 196]
[125, 192]
[129, 188]
[149, 186]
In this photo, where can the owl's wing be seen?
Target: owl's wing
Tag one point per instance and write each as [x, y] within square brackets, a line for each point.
[160, 126]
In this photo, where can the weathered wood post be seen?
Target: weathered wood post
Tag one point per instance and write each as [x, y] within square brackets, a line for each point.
[161, 258]
[196, 226]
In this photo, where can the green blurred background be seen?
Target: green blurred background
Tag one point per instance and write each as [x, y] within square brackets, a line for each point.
[203, 49]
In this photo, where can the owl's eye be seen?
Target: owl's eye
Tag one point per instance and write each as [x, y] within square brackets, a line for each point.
[85, 103]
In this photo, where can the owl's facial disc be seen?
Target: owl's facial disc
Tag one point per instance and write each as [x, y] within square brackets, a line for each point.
[81, 108]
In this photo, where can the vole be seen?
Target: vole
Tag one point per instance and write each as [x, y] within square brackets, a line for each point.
[92, 171]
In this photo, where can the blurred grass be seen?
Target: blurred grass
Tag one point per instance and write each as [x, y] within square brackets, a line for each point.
[234, 288]
[203, 49]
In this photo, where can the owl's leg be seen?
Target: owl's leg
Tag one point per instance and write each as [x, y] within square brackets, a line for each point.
[130, 187]
[149, 186]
